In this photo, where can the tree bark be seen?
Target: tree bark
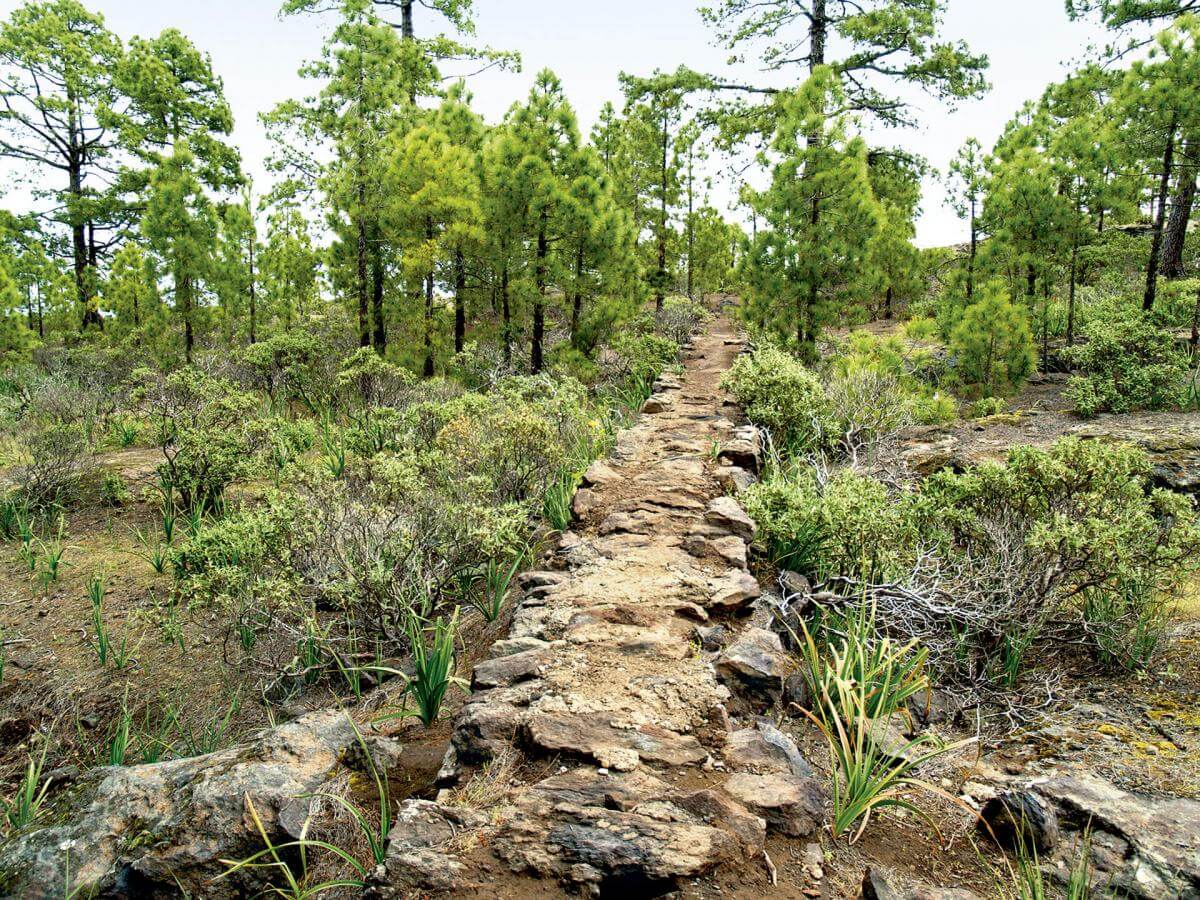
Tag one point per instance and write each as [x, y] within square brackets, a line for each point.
[253, 294]
[1181, 212]
[364, 323]
[1156, 240]
[506, 313]
[460, 309]
[539, 312]
[577, 300]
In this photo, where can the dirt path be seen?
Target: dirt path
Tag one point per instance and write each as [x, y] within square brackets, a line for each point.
[617, 715]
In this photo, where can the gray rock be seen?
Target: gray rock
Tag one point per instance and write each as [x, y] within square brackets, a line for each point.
[507, 670]
[764, 749]
[384, 754]
[733, 590]
[1146, 847]
[657, 403]
[712, 637]
[791, 804]
[735, 479]
[755, 662]
[726, 514]
[591, 736]
[406, 873]
[877, 886]
[1018, 818]
[195, 811]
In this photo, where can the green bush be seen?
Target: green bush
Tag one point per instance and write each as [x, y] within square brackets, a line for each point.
[991, 344]
[208, 432]
[780, 393]
[1126, 360]
[642, 355]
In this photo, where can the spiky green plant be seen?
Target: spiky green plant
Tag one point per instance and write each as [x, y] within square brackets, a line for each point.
[433, 669]
[556, 503]
[497, 577]
[26, 802]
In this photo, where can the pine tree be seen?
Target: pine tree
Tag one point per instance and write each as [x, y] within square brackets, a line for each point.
[966, 183]
[809, 266]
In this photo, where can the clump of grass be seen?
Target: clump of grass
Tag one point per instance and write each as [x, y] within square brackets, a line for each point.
[208, 738]
[556, 503]
[23, 807]
[107, 651]
[433, 669]
[496, 579]
[153, 551]
[858, 682]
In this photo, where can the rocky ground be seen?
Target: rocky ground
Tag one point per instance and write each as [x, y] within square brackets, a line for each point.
[631, 736]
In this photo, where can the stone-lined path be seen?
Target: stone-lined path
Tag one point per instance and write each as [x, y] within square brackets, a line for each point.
[616, 671]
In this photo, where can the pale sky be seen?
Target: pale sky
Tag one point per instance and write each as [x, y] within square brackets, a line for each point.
[588, 43]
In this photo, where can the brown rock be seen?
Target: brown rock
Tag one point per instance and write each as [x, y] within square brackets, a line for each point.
[791, 804]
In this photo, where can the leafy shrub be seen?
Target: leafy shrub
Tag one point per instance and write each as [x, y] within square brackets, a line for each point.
[780, 393]
[1126, 361]
[998, 556]
[847, 526]
[680, 317]
[60, 456]
[991, 345]
[290, 365]
[642, 355]
[207, 432]
[987, 406]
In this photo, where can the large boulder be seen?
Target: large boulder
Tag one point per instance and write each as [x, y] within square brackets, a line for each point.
[147, 830]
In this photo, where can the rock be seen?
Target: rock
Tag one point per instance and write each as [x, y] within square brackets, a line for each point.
[733, 590]
[486, 725]
[194, 810]
[755, 662]
[600, 473]
[384, 754]
[584, 502]
[934, 706]
[536, 579]
[791, 804]
[1020, 818]
[510, 646]
[507, 670]
[727, 515]
[796, 691]
[421, 824]
[763, 749]
[735, 479]
[618, 834]
[717, 809]
[876, 886]
[590, 736]
[730, 548]
[1145, 847]
[794, 586]
[656, 403]
[406, 873]
[741, 453]
[712, 637]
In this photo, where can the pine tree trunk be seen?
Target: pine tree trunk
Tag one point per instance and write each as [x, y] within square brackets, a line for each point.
[183, 294]
[1181, 212]
[539, 312]
[253, 296]
[364, 310]
[460, 309]
[577, 300]
[1074, 277]
[1164, 187]
[428, 370]
[1196, 322]
[506, 312]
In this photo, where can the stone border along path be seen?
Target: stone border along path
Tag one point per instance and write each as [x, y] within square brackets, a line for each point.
[614, 670]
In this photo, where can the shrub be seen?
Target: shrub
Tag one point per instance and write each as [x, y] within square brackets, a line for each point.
[847, 526]
[641, 355]
[680, 317]
[207, 432]
[1127, 360]
[991, 345]
[783, 395]
[59, 457]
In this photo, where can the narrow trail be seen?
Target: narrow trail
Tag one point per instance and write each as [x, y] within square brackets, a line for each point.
[604, 686]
